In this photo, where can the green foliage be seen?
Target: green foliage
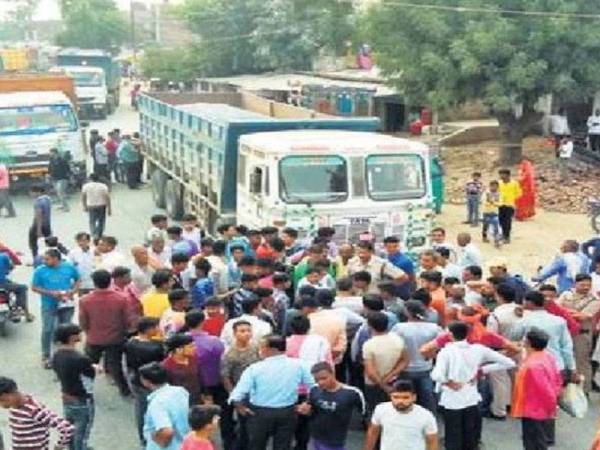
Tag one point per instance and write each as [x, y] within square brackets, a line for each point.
[21, 20]
[92, 24]
[182, 64]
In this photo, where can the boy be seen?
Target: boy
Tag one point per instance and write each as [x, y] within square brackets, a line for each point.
[473, 189]
[281, 301]
[215, 317]
[491, 204]
[204, 287]
[191, 231]
[204, 421]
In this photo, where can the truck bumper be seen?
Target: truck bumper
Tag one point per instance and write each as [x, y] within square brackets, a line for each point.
[22, 178]
[92, 110]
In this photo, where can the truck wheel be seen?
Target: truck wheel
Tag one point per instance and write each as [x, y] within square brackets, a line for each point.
[158, 181]
[173, 200]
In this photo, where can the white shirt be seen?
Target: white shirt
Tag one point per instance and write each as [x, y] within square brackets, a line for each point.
[404, 430]
[260, 329]
[100, 153]
[560, 125]
[593, 124]
[470, 256]
[164, 257]
[460, 362]
[452, 271]
[503, 318]
[220, 273]
[96, 194]
[193, 235]
[108, 261]
[141, 277]
[595, 283]
[84, 262]
[566, 150]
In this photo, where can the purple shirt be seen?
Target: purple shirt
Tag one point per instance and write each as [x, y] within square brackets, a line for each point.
[209, 350]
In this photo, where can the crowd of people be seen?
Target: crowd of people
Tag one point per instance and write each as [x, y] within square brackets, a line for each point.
[269, 336]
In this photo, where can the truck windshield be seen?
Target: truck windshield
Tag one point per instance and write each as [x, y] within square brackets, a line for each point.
[394, 177]
[313, 179]
[87, 79]
[37, 119]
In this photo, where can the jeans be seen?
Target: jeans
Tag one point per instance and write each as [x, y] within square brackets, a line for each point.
[6, 202]
[278, 423]
[97, 220]
[463, 428]
[33, 237]
[51, 319]
[491, 220]
[505, 217]
[473, 201]
[140, 395]
[81, 415]
[113, 355]
[131, 172]
[20, 291]
[424, 386]
[60, 187]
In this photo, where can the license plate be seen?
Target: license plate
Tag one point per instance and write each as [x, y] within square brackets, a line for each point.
[360, 221]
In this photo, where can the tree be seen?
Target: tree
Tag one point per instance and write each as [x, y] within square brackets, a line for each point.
[444, 58]
[92, 24]
[22, 17]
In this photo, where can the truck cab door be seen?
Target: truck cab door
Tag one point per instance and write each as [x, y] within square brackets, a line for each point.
[258, 186]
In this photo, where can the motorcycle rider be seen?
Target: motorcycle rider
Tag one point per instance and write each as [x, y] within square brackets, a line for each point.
[20, 290]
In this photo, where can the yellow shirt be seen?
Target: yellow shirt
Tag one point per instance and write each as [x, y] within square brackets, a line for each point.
[155, 304]
[491, 202]
[509, 193]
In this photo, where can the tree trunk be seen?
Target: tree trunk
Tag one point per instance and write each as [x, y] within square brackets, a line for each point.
[512, 131]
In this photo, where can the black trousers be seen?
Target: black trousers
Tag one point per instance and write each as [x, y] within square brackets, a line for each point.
[226, 424]
[33, 237]
[131, 172]
[595, 142]
[97, 220]
[463, 428]
[505, 217]
[535, 433]
[113, 355]
[276, 423]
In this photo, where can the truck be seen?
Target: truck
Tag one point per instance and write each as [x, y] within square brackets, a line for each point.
[15, 59]
[239, 158]
[70, 57]
[37, 113]
[91, 90]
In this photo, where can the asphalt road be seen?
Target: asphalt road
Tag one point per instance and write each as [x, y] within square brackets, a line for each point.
[114, 425]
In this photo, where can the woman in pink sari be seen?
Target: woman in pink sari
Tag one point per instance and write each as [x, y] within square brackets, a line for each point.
[525, 205]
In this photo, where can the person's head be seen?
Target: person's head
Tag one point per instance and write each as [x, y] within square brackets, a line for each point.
[549, 292]
[159, 221]
[569, 246]
[249, 281]
[174, 232]
[264, 267]
[179, 262]
[325, 297]
[194, 319]
[242, 332]
[438, 235]
[219, 248]
[315, 252]
[324, 376]
[107, 244]
[83, 240]
[391, 245]
[157, 244]
[202, 267]
[227, 231]
[153, 375]
[101, 279]
[457, 293]
[140, 255]
[52, 257]
[206, 246]
[179, 300]
[378, 322]
[534, 300]
[272, 345]
[472, 273]
[121, 276]
[277, 245]
[326, 233]
[504, 175]
[463, 239]
[313, 275]
[307, 303]
[403, 395]
[263, 293]
[213, 307]
[181, 345]
[430, 280]
[67, 334]
[505, 293]
[204, 418]
[281, 281]
[237, 252]
[344, 285]
[251, 306]
[476, 175]
[148, 327]
[428, 260]
[365, 250]
[494, 186]
[289, 236]
[372, 303]
[268, 232]
[443, 256]
[189, 222]
[300, 325]
[361, 280]
[499, 268]
[536, 340]
[387, 290]
[583, 284]
[597, 112]
[254, 238]
[53, 153]
[448, 283]
[346, 251]
[247, 265]
[459, 330]
[416, 310]
[36, 190]
[10, 397]
[161, 280]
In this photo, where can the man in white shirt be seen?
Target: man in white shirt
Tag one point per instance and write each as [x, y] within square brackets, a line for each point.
[401, 423]
[219, 268]
[468, 253]
[160, 252]
[107, 255]
[593, 124]
[142, 269]
[95, 198]
[448, 269]
[559, 127]
[456, 372]
[82, 257]
[565, 152]
[251, 311]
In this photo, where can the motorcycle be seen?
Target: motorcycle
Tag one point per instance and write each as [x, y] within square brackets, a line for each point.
[594, 213]
[9, 311]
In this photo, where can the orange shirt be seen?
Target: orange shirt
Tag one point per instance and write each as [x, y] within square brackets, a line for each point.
[438, 302]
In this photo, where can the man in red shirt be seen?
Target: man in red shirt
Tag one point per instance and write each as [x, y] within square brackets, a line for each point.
[112, 145]
[105, 317]
[550, 296]
[214, 317]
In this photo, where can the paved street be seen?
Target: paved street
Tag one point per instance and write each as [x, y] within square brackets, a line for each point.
[114, 426]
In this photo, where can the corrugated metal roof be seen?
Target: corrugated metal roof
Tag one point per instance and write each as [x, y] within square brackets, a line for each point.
[27, 98]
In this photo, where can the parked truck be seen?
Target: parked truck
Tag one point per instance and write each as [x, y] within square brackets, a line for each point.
[91, 90]
[37, 113]
[110, 94]
[236, 157]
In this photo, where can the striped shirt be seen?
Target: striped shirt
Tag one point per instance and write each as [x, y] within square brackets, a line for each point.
[30, 426]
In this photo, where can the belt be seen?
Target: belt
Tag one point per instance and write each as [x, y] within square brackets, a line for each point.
[271, 408]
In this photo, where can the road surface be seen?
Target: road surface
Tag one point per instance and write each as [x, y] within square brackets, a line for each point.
[114, 426]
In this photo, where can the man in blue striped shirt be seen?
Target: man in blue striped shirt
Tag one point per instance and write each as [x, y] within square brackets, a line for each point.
[267, 394]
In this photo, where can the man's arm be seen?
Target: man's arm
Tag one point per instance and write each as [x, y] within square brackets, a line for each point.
[163, 437]
[372, 437]
[108, 203]
[429, 350]
[84, 200]
[432, 441]
[495, 361]
[565, 344]
[550, 270]
[371, 371]
[84, 321]
[400, 365]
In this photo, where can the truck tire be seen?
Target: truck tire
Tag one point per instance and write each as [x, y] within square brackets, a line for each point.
[174, 201]
[158, 180]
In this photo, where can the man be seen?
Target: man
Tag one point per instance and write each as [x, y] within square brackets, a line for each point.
[251, 313]
[468, 253]
[30, 421]
[402, 262]
[565, 266]
[593, 126]
[378, 268]
[241, 354]
[431, 281]
[510, 192]
[59, 172]
[105, 317]
[551, 305]
[142, 269]
[330, 406]
[173, 319]
[57, 282]
[42, 209]
[130, 158]
[385, 357]
[166, 419]
[456, 371]
[499, 268]
[180, 271]
[155, 302]
[449, 269]
[330, 323]
[537, 386]
[220, 270]
[5, 201]
[340, 263]
[159, 252]
[290, 240]
[20, 290]
[179, 244]
[95, 198]
[401, 421]
[101, 160]
[428, 261]
[121, 282]
[109, 256]
[76, 374]
[112, 145]
[272, 399]
[438, 240]
[82, 257]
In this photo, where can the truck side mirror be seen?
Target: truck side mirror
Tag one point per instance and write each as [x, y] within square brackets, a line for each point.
[256, 181]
